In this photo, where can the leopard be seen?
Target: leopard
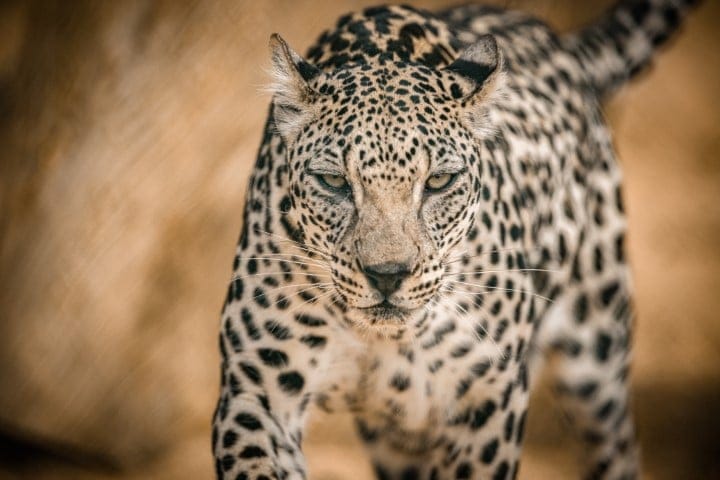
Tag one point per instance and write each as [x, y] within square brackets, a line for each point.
[434, 218]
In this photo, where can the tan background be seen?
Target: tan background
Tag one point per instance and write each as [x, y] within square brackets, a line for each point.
[127, 133]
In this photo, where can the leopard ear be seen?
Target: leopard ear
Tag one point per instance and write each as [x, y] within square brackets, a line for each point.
[480, 67]
[292, 95]
[479, 74]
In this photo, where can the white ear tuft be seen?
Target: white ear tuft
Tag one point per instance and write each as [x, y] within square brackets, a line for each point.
[292, 95]
[481, 69]
[479, 65]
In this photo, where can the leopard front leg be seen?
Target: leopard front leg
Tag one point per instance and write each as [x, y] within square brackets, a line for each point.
[249, 442]
[268, 376]
[587, 334]
[590, 367]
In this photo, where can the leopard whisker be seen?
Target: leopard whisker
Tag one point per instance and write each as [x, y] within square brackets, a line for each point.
[487, 334]
[507, 270]
[263, 256]
[294, 260]
[290, 255]
[490, 288]
[307, 274]
[314, 299]
[522, 250]
[482, 325]
[295, 243]
[309, 286]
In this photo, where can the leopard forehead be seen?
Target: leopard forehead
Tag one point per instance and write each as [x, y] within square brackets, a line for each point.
[387, 123]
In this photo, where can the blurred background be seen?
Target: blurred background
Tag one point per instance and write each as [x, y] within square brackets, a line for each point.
[127, 133]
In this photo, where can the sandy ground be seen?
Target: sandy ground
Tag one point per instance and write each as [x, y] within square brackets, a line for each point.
[129, 132]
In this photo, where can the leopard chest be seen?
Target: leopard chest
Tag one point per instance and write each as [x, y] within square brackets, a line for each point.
[417, 386]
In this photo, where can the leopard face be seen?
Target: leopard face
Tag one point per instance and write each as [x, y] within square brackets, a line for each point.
[385, 177]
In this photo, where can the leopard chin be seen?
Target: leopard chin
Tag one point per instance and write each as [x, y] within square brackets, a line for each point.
[386, 314]
[385, 320]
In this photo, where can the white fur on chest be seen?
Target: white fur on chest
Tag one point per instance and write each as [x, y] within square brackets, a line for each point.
[407, 384]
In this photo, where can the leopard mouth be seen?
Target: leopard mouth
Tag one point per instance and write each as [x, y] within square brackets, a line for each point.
[386, 312]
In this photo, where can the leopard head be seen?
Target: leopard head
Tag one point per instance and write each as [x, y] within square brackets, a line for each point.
[385, 170]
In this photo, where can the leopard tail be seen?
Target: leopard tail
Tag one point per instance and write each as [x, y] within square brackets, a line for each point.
[622, 43]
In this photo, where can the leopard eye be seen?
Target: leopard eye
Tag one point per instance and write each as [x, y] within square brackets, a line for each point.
[333, 182]
[439, 181]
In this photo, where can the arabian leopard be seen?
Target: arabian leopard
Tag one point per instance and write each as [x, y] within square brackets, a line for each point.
[435, 211]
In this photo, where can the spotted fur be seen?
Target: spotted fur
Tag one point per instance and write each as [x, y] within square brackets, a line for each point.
[435, 209]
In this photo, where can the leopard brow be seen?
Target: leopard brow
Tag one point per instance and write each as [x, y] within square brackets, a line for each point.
[445, 164]
[450, 165]
[325, 160]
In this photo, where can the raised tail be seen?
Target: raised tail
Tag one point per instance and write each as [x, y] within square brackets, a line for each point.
[619, 45]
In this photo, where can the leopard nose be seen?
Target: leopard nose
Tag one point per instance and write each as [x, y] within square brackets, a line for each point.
[386, 278]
